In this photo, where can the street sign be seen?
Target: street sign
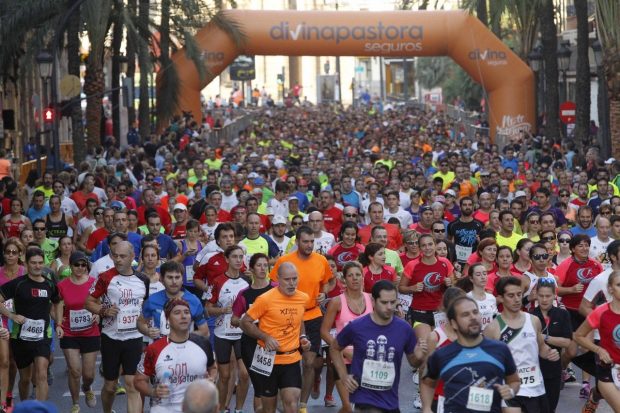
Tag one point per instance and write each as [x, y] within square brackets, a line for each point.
[568, 112]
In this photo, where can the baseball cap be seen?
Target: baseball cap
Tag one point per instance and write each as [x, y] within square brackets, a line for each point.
[35, 406]
[117, 205]
[425, 208]
[158, 180]
[450, 192]
[519, 194]
[441, 199]
[610, 161]
[259, 181]
[78, 256]
[180, 206]
[278, 219]
[293, 198]
[252, 175]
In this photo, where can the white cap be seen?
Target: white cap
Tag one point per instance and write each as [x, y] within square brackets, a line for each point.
[610, 161]
[252, 175]
[180, 206]
[450, 192]
[278, 219]
[519, 194]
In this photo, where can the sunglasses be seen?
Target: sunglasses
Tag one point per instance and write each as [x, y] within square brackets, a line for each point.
[39, 229]
[537, 257]
[412, 242]
[99, 213]
[438, 231]
[80, 264]
[564, 240]
[296, 223]
[11, 252]
[350, 215]
[564, 195]
[547, 239]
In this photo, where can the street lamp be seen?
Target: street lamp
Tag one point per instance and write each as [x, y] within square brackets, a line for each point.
[602, 100]
[564, 53]
[45, 61]
[535, 58]
[326, 67]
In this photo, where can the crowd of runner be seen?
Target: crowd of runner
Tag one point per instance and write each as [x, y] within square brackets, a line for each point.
[319, 238]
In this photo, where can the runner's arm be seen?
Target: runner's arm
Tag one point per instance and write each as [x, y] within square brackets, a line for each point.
[492, 330]
[545, 351]
[335, 352]
[333, 308]
[427, 391]
[249, 328]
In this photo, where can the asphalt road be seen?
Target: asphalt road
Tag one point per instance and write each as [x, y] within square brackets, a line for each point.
[59, 395]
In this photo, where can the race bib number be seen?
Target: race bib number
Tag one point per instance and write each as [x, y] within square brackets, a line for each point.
[32, 330]
[615, 375]
[530, 376]
[440, 319]
[405, 301]
[80, 320]
[229, 329]
[127, 319]
[378, 375]
[486, 319]
[462, 253]
[480, 399]
[189, 273]
[263, 361]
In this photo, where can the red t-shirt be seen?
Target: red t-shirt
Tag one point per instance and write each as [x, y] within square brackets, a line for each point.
[222, 216]
[388, 273]
[571, 272]
[178, 231]
[96, 237]
[419, 228]
[606, 321]
[332, 219]
[343, 255]
[404, 258]
[395, 238]
[80, 198]
[164, 216]
[433, 277]
[74, 313]
[481, 216]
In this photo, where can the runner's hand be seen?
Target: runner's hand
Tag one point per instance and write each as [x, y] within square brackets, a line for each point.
[419, 287]
[350, 383]
[4, 334]
[305, 344]
[421, 349]
[60, 332]
[161, 391]
[578, 288]
[448, 281]
[321, 297]
[112, 311]
[271, 344]
[553, 355]
[505, 391]
[604, 356]
[154, 333]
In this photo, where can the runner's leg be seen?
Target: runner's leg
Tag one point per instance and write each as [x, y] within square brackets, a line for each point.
[41, 364]
[74, 362]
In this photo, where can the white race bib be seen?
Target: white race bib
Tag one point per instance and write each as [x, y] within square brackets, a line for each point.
[229, 330]
[32, 330]
[440, 401]
[615, 375]
[263, 361]
[164, 327]
[530, 376]
[80, 320]
[462, 253]
[378, 375]
[127, 319]
[405, 301]
[189, 273]
[486, 319]
[480, 399]
[440, 319]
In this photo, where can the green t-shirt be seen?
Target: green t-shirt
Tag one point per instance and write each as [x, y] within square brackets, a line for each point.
[393, 260]
[50, 248]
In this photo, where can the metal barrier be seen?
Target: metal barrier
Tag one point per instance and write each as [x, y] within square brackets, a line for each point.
[231, 131]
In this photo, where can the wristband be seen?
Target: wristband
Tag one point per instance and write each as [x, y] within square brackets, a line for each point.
[303, 336]
[512, 393]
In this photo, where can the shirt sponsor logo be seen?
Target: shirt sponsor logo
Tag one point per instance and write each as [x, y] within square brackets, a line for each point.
[39, 293]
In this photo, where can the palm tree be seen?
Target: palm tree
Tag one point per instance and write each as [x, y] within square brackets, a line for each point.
[73, 65]
[548, 34]
[431, 71]
[582, 81]
[607, 18]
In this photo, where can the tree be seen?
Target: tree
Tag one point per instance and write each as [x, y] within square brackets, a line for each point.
[548, 33]
[607, 18]
[73, 65]
[431, 71]
[582, 81]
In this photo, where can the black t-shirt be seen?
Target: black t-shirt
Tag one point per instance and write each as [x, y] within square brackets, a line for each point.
[558, 325]
[31, 299]
[465, 234]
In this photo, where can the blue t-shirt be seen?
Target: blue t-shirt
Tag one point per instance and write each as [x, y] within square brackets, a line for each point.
[154, 307]
[461, 367]
[103, 248]
[366, 337]
[167, 247]
[34, 214]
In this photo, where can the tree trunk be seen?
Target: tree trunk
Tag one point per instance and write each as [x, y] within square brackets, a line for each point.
[94, 85]
[582, 84]
[164, 58]
[482, 12]
[549, 39]
[73, 65]
[614, 125]
[117, 39]
[143, 56]
[496, 11]
[131, 64]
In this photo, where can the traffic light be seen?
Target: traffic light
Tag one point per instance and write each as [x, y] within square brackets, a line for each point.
[48, 115]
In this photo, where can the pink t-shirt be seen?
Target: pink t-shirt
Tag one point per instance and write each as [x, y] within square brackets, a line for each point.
[75, 316]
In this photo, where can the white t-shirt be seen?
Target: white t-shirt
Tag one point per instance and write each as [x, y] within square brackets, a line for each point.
[229, 201]
[487, 307]
[69, 207]
[597, 286]
[598, 247]
[324, 243]
[403, 216]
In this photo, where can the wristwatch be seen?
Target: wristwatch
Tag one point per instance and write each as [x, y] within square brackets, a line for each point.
[512, 393]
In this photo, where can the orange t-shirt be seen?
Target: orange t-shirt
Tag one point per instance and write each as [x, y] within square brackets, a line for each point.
[280, 316]
[314, 273]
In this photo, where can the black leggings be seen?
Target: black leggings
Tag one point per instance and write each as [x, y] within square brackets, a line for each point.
[553, 386]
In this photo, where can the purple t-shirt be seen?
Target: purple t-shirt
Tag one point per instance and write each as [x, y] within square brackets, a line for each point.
[389, 342]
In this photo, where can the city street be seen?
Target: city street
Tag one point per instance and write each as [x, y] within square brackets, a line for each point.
[59, 394]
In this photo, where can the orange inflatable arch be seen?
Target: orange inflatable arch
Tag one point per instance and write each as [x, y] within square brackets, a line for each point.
[508, 81]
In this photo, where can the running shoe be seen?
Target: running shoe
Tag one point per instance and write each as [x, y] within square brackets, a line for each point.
[75, 408]
[91, 399]
[329, 401]
[417, 402]
[120, 390]
[584, 393]
[303, 408]
[589, 407]
[568, 375]
[316, 388]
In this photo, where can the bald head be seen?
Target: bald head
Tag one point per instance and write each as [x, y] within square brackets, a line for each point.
[123, 255]
[200, 397]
